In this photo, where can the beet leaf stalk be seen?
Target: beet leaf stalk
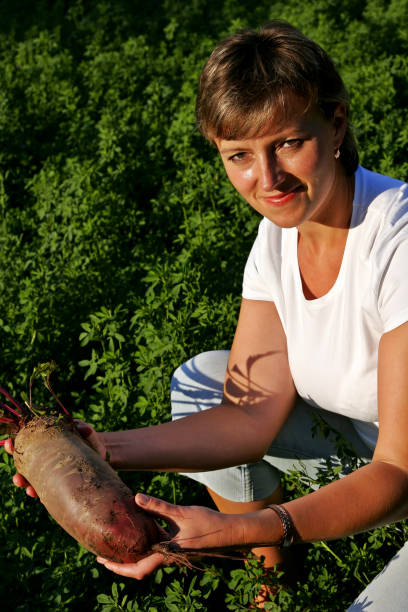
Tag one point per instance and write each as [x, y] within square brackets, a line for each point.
[44, 371]
[15, 415]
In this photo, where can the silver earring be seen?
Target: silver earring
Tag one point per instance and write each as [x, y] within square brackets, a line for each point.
[337, 154]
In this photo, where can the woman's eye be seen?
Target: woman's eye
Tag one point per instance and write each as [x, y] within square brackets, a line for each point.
[293, 143]
[237, 157]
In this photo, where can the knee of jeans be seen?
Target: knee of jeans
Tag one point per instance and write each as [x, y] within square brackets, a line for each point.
[198, 383]
[212, 363]
[181, 388]
[178, 387]
[242, 483]
[181, 373]
[176, 377]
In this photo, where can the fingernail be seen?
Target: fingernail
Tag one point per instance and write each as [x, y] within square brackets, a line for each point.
[143, 499]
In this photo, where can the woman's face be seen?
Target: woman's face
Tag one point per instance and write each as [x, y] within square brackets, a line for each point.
[289, 174]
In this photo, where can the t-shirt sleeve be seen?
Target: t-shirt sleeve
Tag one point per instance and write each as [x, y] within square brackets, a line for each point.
[260, 278]
[393, 294]
[393, 282]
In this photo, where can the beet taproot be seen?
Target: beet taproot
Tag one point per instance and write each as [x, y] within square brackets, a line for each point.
[81, 491]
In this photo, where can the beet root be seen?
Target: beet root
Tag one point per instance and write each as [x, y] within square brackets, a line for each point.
[82, 492]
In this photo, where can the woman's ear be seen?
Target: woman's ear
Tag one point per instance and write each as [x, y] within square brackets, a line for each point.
[339, 121]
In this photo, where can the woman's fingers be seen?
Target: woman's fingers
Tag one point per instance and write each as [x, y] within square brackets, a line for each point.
[31, 492]
[158, 507]
[93, 438]
[84, 429]
[138, 570]
[9, 446]
[161, 509]
[20, 481]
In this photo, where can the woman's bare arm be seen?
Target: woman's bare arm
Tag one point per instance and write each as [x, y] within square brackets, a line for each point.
[258, 396]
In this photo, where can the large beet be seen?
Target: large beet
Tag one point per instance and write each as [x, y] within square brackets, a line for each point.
[81, 491]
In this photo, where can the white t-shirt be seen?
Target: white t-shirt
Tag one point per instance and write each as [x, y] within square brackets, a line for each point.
[333, 340]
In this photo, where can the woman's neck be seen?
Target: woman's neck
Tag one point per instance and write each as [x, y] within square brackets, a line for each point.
[331, 227]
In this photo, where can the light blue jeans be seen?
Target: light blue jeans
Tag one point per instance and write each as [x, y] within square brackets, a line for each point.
[198, 385]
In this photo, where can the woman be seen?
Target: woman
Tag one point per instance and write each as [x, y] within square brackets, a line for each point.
[322, 328]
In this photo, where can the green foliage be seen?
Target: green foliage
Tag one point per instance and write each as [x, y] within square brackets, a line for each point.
[122, 248]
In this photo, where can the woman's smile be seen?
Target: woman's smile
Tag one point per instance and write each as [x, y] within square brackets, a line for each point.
[281, 198]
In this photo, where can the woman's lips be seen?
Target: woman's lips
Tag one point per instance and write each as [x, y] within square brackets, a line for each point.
[280, 199]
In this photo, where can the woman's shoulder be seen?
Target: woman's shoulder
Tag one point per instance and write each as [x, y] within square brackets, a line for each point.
[381, 202]
[381, 244]
[377, 181]
[382, 219]
[263, 268]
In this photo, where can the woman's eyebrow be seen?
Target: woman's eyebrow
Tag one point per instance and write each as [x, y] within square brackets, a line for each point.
[231, 149]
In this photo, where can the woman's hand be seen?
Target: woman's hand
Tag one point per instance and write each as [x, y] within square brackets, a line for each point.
[93, 438]
[189, 527]
[18, 479]
[86, 431]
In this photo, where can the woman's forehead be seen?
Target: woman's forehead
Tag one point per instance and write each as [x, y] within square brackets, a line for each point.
[277, 118]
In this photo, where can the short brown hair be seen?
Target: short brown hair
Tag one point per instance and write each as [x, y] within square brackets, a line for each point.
[253, 75]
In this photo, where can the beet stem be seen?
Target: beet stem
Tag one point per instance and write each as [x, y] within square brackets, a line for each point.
[20, 410]
[6, 419]
[45, 370]
[54, 395]
[16, 418]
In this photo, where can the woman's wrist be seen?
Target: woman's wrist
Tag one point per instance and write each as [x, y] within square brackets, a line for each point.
[259, 528]
[125, 450]
[112, 449]
[289, 533]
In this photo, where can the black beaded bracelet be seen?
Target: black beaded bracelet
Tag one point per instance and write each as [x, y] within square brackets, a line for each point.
[289, 536]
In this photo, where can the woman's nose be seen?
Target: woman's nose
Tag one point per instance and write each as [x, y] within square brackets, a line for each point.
[270, 172]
